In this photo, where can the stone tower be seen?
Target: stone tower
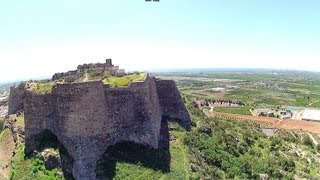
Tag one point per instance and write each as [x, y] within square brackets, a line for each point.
[109, 63]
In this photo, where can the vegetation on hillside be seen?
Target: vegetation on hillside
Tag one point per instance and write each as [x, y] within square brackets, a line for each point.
[43, 88]
[90, 75]
[221, 148]
[234, 110]
[132, 161]
[1, 124]
[123, 81]
[215, 148]
[4, 134]
[32, 167]
[226, 148]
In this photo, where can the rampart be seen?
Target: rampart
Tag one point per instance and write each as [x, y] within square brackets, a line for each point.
[88, 117]
[16, 97]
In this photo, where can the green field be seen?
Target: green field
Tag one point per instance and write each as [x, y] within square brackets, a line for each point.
[235, 110]
[255, 89]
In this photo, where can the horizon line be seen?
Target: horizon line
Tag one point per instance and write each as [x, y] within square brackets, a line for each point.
[181, 70]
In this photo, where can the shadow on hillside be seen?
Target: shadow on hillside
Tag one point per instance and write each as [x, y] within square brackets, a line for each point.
[129, 152]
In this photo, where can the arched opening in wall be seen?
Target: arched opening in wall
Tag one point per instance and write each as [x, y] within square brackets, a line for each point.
[53, 153]
[178, 121]
[126, 153]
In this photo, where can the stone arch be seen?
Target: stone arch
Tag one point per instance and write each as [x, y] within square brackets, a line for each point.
[47, 139]
[133, 152]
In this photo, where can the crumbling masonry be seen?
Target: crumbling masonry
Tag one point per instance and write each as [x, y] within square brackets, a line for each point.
[89, 117]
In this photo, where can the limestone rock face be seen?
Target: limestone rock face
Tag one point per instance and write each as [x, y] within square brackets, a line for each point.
[87, 118]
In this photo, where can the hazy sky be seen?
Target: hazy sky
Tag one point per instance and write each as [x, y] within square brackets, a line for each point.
[38, 38]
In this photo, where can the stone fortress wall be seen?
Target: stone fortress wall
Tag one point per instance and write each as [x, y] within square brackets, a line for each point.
[16, 97]
[88, 117]
[108, 66]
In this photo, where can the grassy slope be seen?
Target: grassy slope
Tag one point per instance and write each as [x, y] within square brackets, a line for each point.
[106, 77]
[6, 149]
[44, 88]
[179, 161]
[125, 80]
[235, 110]
[31, 168]
[227, 148]
[1, 124]
[21, 167]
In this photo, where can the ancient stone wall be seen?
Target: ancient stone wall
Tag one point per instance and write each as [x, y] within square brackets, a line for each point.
[89, 117]
[172, 106]
[16, 97]
[37, 116]
[136, 111]
[108, 66]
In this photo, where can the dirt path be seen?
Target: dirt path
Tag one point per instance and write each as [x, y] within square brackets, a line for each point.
[309, 126]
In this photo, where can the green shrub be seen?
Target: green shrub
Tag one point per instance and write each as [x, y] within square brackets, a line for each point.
[124, 80]
[44, 88]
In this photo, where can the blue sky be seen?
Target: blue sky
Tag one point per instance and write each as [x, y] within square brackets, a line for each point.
[38, 38]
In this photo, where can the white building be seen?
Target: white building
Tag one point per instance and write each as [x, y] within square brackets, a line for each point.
[311, 115]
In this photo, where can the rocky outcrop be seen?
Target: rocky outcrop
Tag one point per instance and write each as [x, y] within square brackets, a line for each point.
[89, 117]
[16, 98]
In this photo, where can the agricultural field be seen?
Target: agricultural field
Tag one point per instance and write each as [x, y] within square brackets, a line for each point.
[254, 89]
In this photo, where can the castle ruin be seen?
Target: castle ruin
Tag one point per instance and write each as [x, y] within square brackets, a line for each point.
[108, 66]
[89, 117]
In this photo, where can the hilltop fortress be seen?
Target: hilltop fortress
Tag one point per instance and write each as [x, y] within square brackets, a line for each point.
[108, 66]
[89, 117]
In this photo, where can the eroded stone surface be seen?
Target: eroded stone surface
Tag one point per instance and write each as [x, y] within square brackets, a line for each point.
[16, 98]
[88, 117]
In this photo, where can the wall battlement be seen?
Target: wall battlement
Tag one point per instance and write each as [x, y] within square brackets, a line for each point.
[89, 117]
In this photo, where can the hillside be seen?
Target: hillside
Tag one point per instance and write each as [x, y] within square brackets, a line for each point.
[215, 148]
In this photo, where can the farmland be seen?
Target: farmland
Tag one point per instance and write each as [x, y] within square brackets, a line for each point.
[254, 89]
